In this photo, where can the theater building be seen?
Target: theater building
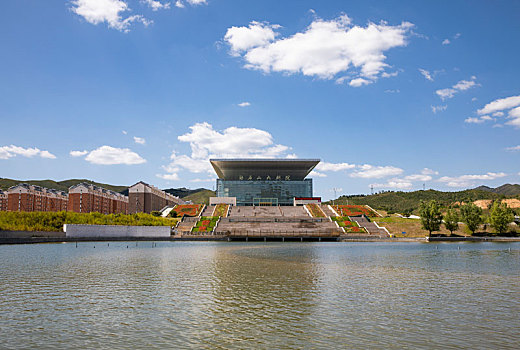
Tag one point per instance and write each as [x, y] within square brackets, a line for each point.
[24, 197]
[145, 198]
[87, 198]
[264, 181]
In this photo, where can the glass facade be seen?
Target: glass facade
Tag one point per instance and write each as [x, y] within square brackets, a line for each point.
[255, 192]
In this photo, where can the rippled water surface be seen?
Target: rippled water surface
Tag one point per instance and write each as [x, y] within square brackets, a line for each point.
[260, 295]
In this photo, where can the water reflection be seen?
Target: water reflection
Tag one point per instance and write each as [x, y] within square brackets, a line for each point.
[260, 295]
[258, 289]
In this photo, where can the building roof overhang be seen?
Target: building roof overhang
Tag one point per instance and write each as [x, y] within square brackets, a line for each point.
[242, 169]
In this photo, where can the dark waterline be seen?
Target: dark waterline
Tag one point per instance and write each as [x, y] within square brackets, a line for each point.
[260, 295]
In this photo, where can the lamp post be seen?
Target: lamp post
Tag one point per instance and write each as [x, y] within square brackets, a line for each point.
[335, 195]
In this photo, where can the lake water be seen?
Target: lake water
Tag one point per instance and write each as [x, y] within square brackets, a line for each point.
[260, 295]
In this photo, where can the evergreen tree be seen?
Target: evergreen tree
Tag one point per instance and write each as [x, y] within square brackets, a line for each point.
[451, 220]
[500, 217]
[431, 216]
[471, 215]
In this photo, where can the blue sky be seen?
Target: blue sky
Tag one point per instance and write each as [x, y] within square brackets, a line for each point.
[394, 94]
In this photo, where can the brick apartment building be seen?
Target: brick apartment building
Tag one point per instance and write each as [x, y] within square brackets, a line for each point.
[3, 201]
[24, 197]
[145, 198]
[87, 198]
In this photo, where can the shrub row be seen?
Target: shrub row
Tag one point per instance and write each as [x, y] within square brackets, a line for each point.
[54, 221]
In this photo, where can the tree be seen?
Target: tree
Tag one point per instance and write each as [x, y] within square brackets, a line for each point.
[471, 215]
[500, 217]
[451, 220]
[407, 212]
[431, 216]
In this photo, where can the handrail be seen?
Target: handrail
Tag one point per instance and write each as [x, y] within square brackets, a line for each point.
[375, 211]
[333, 210]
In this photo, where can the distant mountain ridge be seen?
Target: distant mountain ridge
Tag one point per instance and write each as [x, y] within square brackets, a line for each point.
[183, 191]
[506, 189]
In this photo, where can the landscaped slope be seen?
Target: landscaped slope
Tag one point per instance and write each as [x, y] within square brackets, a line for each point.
[200, 197]
[408, 201]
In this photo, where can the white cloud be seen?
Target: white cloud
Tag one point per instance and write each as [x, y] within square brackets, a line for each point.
[194, 165]
[436, 109]
[375, 172]
[394, 183]
[460, 86]
[447, 41]
[323, 49]
[233, 142]
[325, 166]
[389, 75]
[426, 74]
[156, 5]
[107, 155]
[139, 140]
[498, 108]
[390, 91]
[500, 105]
[427, 171]
[465, 84]
[11, 151]
[418, 177]
[244, 38]
[78, 153]
[515, 148]
[181, 3]
[468, 180]
[203, 180]
[244, 104]
[477, 120]
[514, 116]
[168, 177]
[446, 93]
[124, 132]
[315, 173]
[359, 82]
[47, 154]
[109, 11]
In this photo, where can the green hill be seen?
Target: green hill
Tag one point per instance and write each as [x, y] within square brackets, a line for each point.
[200, 197]
[183, 191]
[506, 189]
[58, 185]
[409, 201]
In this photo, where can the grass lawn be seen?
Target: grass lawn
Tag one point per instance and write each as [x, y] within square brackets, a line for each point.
[412, 227]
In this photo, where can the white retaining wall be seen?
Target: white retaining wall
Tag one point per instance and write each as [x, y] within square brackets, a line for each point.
[222, 200]
[116, 231]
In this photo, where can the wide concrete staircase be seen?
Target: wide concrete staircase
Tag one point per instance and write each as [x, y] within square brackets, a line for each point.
[277, 227]
[371, 227]
[208, 211]
[327, 210]
[186, 224]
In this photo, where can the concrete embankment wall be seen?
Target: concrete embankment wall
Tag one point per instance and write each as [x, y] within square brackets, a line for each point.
[116, 231]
